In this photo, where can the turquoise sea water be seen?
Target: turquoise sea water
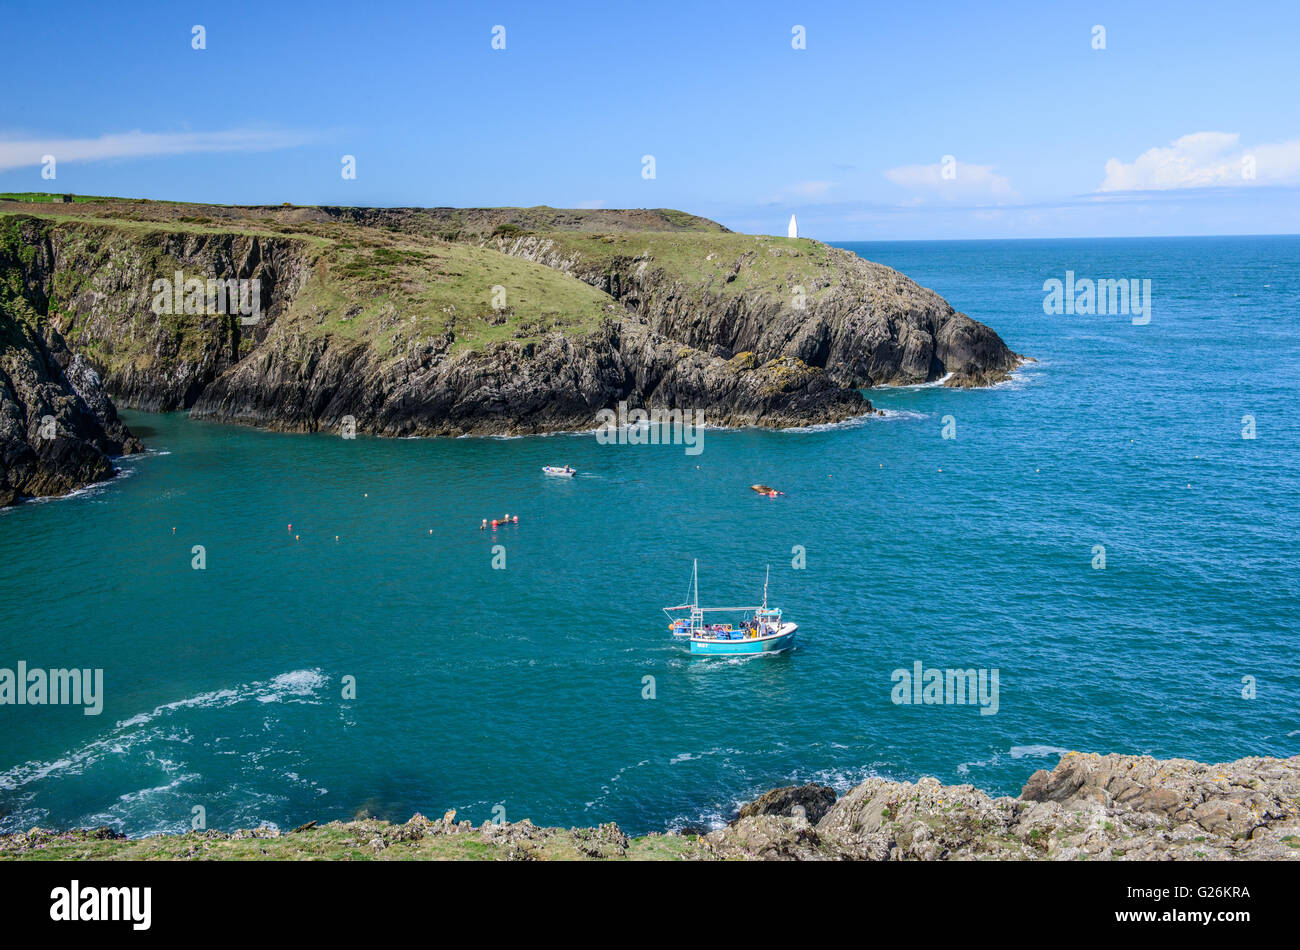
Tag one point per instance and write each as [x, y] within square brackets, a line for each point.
[523, 687]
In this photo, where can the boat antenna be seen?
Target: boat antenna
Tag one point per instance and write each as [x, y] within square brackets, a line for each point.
[695, 581]
[765, 580]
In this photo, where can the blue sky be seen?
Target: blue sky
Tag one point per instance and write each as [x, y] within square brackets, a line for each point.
[1048, 137]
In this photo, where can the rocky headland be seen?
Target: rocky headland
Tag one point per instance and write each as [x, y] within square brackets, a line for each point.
[399, 322]
[1089, 807]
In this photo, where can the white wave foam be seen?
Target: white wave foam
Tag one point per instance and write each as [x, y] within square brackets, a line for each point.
[144, 792]
[1022, 376]
[1021, 751]
[126, 733]
[932, 384]
[857, 422]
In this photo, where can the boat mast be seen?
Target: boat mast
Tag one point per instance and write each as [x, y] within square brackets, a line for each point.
[765, 580]
[697, 615]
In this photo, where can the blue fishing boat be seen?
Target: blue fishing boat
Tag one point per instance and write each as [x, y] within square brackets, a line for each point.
[759, 629]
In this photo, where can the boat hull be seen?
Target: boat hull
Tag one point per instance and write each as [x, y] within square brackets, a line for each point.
[774, 643]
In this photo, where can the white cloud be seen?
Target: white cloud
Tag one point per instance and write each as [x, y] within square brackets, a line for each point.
[20, 153]
[966, 182]
[1205, 159]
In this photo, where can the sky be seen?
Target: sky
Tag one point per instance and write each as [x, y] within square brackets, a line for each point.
[869, 121]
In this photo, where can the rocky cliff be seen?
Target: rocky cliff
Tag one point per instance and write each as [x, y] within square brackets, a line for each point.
[58, 428]
[1090, 807]
[458, 321]
[864, 323]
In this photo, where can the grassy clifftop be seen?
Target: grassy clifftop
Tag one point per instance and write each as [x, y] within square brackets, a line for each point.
[363, 840]
[365, 285]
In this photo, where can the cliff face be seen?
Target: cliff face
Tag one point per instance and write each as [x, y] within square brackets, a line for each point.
[94, 282]
[555, 383]
[58, 427]
[456, 321]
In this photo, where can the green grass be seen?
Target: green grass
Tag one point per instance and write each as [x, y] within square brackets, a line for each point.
[41, 196]
[399, 296]
[348, 842]
[709, 262]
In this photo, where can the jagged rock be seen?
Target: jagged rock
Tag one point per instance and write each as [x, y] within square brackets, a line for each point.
[1094, 806]
[811, 801]
[58, 429]
[605, 841]
[770, 838]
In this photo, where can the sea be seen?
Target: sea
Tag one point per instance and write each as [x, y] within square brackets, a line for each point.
[307, 627]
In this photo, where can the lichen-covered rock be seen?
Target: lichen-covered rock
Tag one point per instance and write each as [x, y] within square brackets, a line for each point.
[1089, 806]
[771, 838]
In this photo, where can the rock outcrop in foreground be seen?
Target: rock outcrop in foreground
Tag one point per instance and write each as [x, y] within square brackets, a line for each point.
[1090, 807]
